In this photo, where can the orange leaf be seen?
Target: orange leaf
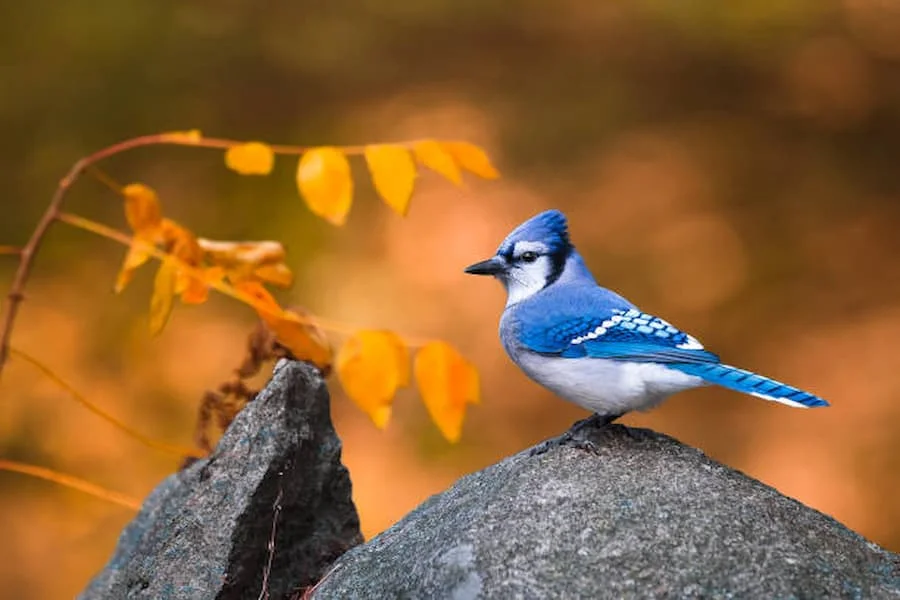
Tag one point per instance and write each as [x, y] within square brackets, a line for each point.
[181, 242]
[371, 365]
[323, 178]
[163, 293]
[471, 158]
[194, 290]
[263, 302]
[142, 208]
[447, 382]
[294, 329]
[393, 173]
[138, 254]
[431, 154]
[302, 337]
[252, 158]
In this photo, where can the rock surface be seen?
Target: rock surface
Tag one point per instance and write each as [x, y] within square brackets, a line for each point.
[204, 532]
[638, 515]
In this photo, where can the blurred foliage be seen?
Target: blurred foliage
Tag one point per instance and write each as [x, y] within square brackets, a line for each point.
[729, 166]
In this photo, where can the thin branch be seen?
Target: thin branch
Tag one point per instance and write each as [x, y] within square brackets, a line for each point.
[71, 482]
[10, 250]
[276, 512]
[80, 398]
[26, 258]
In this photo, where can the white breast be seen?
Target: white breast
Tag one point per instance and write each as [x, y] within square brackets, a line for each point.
[607, 387]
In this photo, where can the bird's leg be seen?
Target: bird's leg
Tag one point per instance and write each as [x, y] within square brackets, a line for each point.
[575, 435]
[595, 421]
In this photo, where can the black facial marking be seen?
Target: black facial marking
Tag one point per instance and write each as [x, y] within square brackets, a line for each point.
[558, 263]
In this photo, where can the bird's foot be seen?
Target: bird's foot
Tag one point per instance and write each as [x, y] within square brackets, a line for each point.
[578, 435]
[580, 443]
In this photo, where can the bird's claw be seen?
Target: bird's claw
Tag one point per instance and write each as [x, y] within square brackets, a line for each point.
[576, 436]
[585, 445]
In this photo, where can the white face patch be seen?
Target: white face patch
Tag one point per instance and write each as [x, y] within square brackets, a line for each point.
[524, 280]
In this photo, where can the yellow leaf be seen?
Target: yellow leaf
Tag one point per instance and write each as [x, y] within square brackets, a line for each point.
[431, 154]
[371, 365]
[138, 254]
[393, 173]
[252, 158]
[142, 208]
[163, 293]
[323, 178]
[191, 136]
[447, 382]
[471, 158]
[278, 274]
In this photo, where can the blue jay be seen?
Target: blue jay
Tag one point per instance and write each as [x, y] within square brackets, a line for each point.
[590, 345]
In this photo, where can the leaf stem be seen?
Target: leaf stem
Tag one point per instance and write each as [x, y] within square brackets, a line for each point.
[71, 482]
[81, 399]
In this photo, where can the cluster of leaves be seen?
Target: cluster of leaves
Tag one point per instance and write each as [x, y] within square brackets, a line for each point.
[325, 182]
[371, 364]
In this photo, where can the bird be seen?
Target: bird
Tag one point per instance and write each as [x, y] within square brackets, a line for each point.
[590, 345]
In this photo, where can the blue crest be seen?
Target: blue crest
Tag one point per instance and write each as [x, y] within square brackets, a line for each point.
[549, 227]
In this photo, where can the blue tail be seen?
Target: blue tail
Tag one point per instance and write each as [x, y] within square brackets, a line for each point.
[750, 383]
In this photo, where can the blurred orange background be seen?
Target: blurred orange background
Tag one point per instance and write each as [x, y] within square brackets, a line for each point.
[731, 167]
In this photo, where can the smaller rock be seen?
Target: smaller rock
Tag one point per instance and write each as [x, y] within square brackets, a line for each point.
[204, 532]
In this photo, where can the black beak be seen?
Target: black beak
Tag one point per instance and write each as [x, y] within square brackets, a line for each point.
[491, 266]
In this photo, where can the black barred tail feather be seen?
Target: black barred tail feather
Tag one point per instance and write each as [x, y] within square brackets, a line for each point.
[750, 383]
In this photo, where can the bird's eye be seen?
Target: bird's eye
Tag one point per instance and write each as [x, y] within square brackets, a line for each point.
[529, 257]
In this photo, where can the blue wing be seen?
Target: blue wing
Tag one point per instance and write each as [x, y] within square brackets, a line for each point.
[633, 336]
[617, 334]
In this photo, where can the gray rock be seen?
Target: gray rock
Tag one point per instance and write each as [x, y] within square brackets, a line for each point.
[613, 513]
[204, 532]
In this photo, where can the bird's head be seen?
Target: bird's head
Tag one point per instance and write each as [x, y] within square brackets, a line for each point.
[531, 258]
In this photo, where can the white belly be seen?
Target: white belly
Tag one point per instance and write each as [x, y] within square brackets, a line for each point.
[607, 387]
